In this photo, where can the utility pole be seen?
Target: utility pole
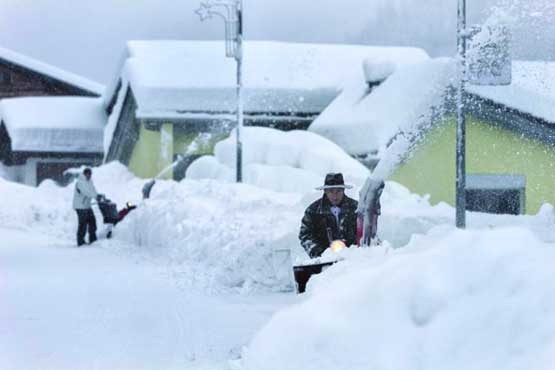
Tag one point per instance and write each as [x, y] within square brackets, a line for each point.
[232, 14]
[461, 119]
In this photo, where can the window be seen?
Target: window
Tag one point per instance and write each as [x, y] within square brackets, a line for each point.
[496, 193]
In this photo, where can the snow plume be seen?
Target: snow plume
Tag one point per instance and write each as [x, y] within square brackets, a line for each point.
[426, 103]
[531, 25]
[451, 299]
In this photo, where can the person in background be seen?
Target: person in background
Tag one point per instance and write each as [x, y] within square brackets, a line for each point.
[330, 218]
[84, 193]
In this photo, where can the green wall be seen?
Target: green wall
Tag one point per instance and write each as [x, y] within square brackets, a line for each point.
[147, 160]
[490, 149]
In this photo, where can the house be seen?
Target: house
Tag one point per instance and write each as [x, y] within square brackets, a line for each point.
[41, 137]
[23, 76]
[408, 124]
[51, 119]
[179, 97]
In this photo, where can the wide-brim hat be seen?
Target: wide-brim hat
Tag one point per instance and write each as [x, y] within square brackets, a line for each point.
[334, 181]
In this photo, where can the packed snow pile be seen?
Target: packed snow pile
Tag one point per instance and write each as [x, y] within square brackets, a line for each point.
[294, 161]
[449, 300]
[221, 236]
[215, 236]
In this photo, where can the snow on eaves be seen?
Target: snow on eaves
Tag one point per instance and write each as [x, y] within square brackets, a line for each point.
[54, 124]
[278, 76]
[531, 91]
[51, 71]
[364, 122]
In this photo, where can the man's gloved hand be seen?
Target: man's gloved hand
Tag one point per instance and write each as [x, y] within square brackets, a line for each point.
[100, 197]
[316, 251]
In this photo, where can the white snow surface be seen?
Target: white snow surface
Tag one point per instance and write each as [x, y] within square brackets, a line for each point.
[375, 71]
[51, 71]
[294, 161]
[54, 124]
[191, 276]
[362, 122]
[531, 91]
[169, 76]
[452, 299]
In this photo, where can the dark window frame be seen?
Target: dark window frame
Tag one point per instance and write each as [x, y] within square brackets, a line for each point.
[496, 193]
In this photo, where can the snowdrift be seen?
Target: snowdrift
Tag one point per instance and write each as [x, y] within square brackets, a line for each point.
[215, 236]
[449, 300]
[294, 161]
[48, 208]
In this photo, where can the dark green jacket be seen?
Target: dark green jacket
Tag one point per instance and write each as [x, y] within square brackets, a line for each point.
[319, 225]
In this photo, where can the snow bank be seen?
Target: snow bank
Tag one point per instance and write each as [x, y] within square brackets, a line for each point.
[449, 300]
[215, 236]
[54, 124]
[221, 236]
[48, 207]
[294, 161]
[363, 123]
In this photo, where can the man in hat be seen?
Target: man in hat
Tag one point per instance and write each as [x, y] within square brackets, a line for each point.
[82, 196]
[330, 218]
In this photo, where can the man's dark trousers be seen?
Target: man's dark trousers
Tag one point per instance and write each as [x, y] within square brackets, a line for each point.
[86, 221]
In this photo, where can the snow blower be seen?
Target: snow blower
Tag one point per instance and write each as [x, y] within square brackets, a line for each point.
[110, 214]
[367, 227]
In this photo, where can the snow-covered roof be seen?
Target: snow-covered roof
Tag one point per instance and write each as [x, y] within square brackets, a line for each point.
[54, 124]
[196, 76]
[51, 71]
[532, 89]
[363, 122]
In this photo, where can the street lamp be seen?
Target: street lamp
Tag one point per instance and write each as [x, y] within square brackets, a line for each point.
[231, 11]
[460, 201]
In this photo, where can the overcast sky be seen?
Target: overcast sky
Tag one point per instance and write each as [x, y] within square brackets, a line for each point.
[87, 37]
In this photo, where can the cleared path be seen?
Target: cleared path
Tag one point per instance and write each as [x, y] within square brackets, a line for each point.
[87, 308]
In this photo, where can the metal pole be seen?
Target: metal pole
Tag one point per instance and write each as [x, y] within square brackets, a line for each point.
[461, 121]
[239, 59]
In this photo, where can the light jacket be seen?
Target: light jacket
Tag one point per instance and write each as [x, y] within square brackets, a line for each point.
[84, 193]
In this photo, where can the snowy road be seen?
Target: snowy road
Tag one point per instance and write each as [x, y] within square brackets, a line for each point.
[68, 308]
